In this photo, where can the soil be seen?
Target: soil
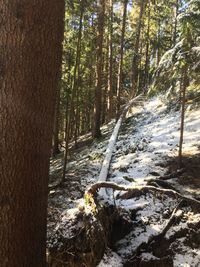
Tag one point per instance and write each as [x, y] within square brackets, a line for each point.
[127, 228]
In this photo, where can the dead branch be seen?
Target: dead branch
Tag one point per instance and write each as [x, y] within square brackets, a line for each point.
[138, 191]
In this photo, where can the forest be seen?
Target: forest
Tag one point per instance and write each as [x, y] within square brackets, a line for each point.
[100, 133]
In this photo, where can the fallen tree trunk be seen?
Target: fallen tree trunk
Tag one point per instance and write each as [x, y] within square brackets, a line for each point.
[111, 144]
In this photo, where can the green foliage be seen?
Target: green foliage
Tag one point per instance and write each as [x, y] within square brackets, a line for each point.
[169, 40]
[89, 201]
[185, 53]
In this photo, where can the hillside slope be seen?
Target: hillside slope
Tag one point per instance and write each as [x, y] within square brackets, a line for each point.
[146, 151]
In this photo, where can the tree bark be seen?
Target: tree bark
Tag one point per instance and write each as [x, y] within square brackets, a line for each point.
[147, 61]
[68, 129]
[111, 144]
[136, 49]
[55, 149]
[175, 22]
[119, 78]
[99, 68]
[30, 37]
[110, 71]
[183, 99]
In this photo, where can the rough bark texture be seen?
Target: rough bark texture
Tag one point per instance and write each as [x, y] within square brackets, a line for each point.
[30, 38]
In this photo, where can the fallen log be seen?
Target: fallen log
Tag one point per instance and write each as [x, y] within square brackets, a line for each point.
[111, 144]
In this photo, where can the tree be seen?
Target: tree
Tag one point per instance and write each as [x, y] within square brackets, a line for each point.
[55, 148]
[31, 35]
[99, 64]
[136, 48]
[180, 63]
[110, 65]
[74, 88]
[119, 78]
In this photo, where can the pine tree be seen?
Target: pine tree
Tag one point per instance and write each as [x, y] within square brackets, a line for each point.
[31, 35]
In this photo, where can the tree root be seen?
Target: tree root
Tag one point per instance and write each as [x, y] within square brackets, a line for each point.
[80, 240]
[138, 191]
[162, 184]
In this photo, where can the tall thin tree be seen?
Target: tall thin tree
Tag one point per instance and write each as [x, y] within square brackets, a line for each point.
[72, 113]
[110, 58]
[99, 68]
[120, 69]
[136, 47]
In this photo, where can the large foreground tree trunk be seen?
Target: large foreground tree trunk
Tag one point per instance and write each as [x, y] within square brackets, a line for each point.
[30, 38]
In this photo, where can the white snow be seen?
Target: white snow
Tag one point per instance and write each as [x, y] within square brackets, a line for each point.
[110, 259]
[155, 135]
[187, 257]
[152, 136]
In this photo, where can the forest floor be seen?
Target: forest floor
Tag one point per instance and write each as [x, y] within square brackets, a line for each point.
[145, 153]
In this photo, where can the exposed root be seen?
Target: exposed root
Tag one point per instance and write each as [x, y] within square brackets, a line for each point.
[138, 191]
[81, 240]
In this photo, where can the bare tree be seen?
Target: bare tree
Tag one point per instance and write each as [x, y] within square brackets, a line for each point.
[119, 79]
[99, 68]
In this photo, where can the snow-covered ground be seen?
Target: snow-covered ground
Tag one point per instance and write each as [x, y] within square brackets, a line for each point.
[147, 139]
[153, 137]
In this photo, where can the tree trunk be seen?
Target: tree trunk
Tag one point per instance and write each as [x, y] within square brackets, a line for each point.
[146, 77]
[110, 71]
[175, 22]
[99, 66]
[55, 149]
[184, 84]
[119, 79]
[30, 37]
[158, 43]
[136, 49]
[73, 95]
